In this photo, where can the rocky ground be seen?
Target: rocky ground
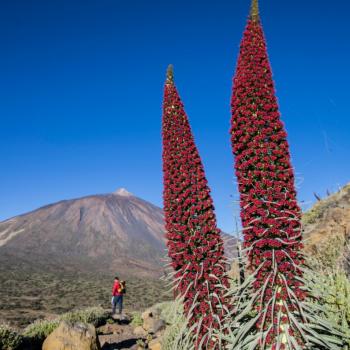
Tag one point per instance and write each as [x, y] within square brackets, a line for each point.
[119, 335]
[124, 335]
[327, 230]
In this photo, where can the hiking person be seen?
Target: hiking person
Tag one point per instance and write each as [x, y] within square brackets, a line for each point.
[117, 296]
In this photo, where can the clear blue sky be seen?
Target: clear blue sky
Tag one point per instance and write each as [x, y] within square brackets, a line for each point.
[81, 93]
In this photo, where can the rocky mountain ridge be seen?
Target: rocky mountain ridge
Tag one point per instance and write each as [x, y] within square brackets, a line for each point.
[327, 230]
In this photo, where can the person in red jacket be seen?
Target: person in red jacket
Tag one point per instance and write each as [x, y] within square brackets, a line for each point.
[117, 296]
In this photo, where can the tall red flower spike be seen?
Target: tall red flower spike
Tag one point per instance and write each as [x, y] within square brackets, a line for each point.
[194, 243]
[269, 210]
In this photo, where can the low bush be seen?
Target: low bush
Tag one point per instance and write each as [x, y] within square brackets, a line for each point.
[332, 296]
[170, 311]
[94, 315]
[177, 334]
[9, 338]
[36, 332]
[136, 319]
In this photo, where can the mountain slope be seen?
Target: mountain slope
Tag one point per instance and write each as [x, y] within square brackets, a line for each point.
[108, 232]
[327, 230]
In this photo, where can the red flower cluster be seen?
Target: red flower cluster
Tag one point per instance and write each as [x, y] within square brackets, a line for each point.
[194, 243]
[269, 210]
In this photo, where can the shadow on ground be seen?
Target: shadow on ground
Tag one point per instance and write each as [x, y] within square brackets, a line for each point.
[124, 344]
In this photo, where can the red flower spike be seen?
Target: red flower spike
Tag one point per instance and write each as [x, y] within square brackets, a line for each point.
[194, 243]
[269, 210]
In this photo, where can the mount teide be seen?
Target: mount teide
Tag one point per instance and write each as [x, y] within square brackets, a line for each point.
[100, 233]
[64, 256]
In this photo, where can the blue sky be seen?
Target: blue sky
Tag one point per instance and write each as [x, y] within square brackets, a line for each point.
[81, 93]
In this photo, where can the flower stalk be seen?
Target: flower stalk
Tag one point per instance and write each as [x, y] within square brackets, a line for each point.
[194, 242]
[271, 217]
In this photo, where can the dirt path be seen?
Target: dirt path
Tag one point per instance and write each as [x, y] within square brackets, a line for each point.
[118, 335]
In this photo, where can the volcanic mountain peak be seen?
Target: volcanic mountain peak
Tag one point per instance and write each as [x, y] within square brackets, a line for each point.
[102, 232]
[123, 192]
[98, 232]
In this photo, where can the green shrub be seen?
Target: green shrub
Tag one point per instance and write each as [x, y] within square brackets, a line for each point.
[170, 311]
[332, 295]
[94, 315]
[177, 335]
[136, 319]
[39, 330]
[9, 338]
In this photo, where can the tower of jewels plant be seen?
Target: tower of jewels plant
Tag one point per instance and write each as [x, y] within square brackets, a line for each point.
[194, 242]
[271, 217]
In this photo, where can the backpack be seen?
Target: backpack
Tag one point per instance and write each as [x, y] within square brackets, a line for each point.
[122, 287]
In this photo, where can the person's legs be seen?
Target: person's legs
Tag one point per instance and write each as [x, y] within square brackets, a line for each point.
[114, 304]
[120, 303]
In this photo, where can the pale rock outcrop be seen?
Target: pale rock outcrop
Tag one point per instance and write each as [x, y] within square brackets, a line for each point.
[75, 336]
[140, 332]
[155, 345]
[152, 322]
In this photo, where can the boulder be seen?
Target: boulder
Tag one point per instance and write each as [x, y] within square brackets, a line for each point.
[155, 345]
[140, 332]
[152, 322]
[121, 318]
[154, 326]
[152, 312]
[68, 336]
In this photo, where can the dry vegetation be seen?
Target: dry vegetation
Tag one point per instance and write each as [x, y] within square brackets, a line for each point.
[27, 295]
